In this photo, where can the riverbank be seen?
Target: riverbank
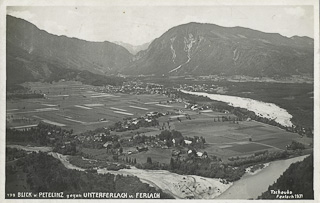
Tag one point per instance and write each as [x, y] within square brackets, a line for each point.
[262, 109]
[179, 186]
[250, 186]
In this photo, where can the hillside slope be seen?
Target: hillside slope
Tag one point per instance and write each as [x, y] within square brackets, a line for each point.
[202, 49]
[34, 54]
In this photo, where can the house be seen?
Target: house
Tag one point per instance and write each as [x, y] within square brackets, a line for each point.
[176, 152]
[141, 149]
[152, 113]
[188, 142]
[107, 144]
[199, 154]
[194, 107]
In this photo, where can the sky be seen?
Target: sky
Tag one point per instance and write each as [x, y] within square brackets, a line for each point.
[141, 24]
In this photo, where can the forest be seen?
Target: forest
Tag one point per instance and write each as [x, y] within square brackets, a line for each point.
[298, 178]
[47, 174]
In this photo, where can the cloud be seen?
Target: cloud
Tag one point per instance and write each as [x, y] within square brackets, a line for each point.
[295, 11]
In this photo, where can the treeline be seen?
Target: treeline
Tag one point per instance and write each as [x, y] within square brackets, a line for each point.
[93, 164]
[61, 140]
[47, 174]
[213, 167]
[24, 96]
[298, 178]
[85, 77]
[15, 88]
[15, 91]
[13, 154]
[259, 157]
[192, 165]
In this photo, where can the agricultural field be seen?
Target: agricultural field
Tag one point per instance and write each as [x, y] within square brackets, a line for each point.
[72, 105]
[225, 139]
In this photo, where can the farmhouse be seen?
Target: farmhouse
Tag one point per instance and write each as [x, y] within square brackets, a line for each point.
[176, 152]
[107, 144]
[188, 142]
[141, 149]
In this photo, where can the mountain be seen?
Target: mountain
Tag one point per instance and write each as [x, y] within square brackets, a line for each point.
[133, 49]
[189, 49]
[203, 49]
[34, 54]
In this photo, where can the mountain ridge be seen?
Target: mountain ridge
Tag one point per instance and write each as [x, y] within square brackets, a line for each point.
[188, 49]
[202, 49]
[39, 53]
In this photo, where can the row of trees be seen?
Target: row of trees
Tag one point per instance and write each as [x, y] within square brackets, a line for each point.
[192, 165]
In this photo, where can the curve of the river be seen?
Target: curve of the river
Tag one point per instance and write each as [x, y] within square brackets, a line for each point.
[262, 109]
[184, 186]
[251, 186]
[179, 186]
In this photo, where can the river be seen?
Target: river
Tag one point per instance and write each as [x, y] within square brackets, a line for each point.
[179, 186]
[251, 186]
[183, 186]
[262, 109]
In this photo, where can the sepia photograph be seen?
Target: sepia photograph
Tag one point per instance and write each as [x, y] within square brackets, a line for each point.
[131, 100]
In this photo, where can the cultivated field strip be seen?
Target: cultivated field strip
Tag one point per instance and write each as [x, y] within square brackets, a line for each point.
[118, 109]
[156, 102]
[137, 107]
[68, 119]
[53, 123]
[82, 107]
[25, 126]
[93, 105]
[51, 105]
[104, 95]
[125, 113]
[163, 105]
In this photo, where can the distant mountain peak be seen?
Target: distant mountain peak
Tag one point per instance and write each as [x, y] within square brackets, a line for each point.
[133, 49]
[201, 49]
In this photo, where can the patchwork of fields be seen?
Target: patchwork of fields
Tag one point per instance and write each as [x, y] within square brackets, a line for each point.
[76, 106]
[72, 105]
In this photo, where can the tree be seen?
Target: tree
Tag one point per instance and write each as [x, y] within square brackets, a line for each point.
[165, 135]
[171, 164]
[115, 157]
[149, 160]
